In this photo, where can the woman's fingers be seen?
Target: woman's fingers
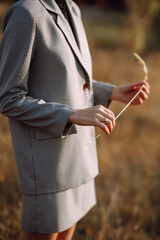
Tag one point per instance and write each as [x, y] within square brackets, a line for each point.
[106, 113]
[106, 121]
[140, 100]
[101, 108]
[109, 124]
[94, 116]
[103, 127]
[146, 84]
[106, 118]
[146, 89]
[143, 82]
[143, 95]
[138, 85]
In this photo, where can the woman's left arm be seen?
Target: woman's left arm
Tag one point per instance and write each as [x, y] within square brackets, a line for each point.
[125, 92]
[102, 93]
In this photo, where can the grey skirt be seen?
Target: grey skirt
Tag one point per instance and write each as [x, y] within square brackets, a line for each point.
[56, 212]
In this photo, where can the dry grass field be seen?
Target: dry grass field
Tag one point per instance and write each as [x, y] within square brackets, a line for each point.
[128, 186]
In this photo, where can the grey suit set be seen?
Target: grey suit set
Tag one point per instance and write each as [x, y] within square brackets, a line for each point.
[43, 71]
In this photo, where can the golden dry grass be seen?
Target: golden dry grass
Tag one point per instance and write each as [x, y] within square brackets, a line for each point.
[128, 186]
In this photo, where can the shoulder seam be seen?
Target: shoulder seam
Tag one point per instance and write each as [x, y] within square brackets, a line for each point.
[23, 7]
[19, 5]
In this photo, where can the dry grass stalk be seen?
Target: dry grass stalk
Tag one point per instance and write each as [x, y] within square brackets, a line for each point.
[145, 70]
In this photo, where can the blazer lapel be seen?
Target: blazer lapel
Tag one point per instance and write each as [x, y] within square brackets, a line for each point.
[66, 29]
[80, 36]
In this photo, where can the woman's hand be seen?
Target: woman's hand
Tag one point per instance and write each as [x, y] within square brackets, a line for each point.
[98, 116]
[126, 92]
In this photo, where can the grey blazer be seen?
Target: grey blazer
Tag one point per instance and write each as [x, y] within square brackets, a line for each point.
[42, 77]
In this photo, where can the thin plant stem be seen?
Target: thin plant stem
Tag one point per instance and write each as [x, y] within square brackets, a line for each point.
[145, 70]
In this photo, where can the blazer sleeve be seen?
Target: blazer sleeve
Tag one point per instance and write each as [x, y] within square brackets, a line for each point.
[102, 92]
[16, 52]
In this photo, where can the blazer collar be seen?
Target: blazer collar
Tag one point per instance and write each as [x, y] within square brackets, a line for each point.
[63, 24]
[51, 6]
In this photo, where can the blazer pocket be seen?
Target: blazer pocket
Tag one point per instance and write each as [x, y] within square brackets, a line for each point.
[42, 134]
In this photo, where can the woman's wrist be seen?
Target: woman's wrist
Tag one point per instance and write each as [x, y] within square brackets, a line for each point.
[114, 94]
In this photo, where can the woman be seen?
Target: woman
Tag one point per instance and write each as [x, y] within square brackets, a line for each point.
[53, 103]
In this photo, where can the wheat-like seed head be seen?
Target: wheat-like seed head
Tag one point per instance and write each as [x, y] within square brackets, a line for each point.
[143, 64]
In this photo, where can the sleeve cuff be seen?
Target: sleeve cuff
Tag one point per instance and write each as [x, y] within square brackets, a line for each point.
[65, 128]
[102, 92]
[69, 129]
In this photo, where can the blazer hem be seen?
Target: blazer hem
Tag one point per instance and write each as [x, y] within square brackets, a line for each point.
[45, 190]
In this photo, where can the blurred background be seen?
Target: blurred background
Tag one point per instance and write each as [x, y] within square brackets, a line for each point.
[128, 186]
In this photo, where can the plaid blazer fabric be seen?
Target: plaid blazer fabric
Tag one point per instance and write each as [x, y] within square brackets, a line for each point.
[42, 74]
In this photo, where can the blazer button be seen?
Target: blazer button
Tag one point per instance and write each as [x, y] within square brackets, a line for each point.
[85, 87]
